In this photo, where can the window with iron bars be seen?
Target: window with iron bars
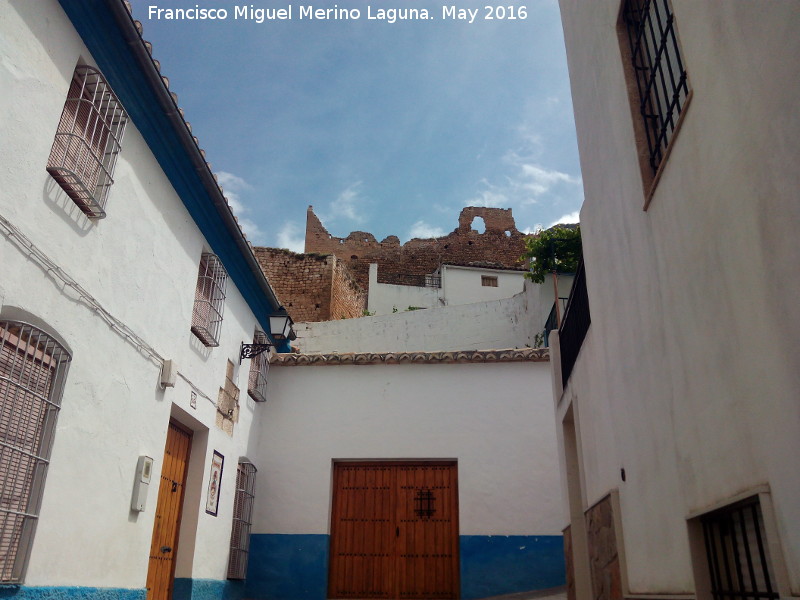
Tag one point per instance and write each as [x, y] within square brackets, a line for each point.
[87, 141]
[661, 80]
[737, 552]
[209, 300]
[33, 368]
[242, 520]
[259, 368]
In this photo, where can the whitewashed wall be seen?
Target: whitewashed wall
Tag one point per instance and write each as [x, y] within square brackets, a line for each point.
[386, 298]
[508, 323]
[459, 285]
[141, 264]
[689, 376]
[462, 285]
[496, 419]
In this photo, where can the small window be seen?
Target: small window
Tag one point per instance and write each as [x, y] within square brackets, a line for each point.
[242, 520]
[87, 141]
[259, 367]
[658, 70]
[489, 280]
[737, 552]
[209, 299]
[33, 368]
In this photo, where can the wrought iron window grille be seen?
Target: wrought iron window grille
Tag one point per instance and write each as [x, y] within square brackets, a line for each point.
[209, 300]
[242, 520]
[259, 366]
[424, 504]
[87, 141]
[33, 369]
[736, 550]
[659, 71]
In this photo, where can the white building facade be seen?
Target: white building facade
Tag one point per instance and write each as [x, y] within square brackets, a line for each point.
[449, 285]
[126, 329]
[675, 371]
[126, 292]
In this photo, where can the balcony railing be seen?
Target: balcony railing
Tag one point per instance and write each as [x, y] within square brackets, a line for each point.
[574, 324]
[552, 321]
[412, 279]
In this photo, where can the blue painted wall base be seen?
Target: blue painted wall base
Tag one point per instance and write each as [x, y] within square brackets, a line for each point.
[207, 589]
[295, 567]
[287, 567]
[70, 593]
[493, 565]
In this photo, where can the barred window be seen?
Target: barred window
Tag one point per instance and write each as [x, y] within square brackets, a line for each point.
[209, 300]
[660, 75]
[489, 280]
[259, 367]
[242, 520]
[33, 368]
[88, 141]
[737, 552]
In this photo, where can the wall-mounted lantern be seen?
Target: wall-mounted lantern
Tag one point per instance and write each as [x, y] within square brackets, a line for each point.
[280, 329]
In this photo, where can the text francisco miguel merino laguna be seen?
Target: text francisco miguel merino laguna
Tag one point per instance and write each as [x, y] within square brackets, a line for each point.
[335, 13]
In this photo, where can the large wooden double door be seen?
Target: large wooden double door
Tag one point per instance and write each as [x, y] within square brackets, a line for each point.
[394, 530]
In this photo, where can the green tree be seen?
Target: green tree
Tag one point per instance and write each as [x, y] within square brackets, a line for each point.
[556, 249]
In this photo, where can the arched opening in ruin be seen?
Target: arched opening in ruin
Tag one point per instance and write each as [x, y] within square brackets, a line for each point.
[478, 224]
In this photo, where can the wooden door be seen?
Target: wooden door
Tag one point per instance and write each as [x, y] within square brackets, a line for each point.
[164, 545]
[394, 531]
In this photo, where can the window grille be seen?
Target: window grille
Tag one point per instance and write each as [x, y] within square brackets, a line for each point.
[33, 368]
[736, 549]
[659, 71]
[87, 141]
[259, 368]
[209, 299]
[488, 281]
[242, 520]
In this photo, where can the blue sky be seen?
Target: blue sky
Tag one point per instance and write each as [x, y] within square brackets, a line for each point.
[390, 128]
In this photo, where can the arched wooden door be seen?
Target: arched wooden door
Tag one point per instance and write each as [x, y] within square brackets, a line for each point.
[394, 530]
[164, 544]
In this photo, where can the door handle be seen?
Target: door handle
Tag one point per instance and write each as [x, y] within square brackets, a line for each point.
[397, 532]
[166, 549]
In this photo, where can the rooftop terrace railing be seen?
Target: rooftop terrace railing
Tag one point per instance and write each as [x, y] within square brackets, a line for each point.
[552, 320]
[574, 324]
[412, 279]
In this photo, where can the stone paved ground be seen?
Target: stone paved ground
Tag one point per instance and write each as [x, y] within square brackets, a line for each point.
[559, 593]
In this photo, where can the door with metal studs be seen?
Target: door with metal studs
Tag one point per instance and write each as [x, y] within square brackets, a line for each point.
[394, 530]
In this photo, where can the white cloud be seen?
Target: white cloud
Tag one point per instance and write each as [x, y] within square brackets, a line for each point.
[291, 237]
[232, 185]
[421, 229]
[573, 217]
[348, 205]
[492, 196]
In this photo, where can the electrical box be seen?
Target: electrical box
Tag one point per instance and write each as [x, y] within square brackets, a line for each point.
[169, 372]
[141, 484]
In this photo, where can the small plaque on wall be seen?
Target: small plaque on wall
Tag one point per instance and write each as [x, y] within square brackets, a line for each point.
[214, 483]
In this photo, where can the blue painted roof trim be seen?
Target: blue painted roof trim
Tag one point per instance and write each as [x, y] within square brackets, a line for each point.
[98, 24]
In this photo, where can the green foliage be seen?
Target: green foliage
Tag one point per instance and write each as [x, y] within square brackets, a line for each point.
[555, 249]
[414, 308]
[367, 313]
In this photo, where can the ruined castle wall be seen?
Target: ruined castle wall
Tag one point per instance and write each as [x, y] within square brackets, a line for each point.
[348, 299]
[500, 245]
[302, 282]
[312, 287]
